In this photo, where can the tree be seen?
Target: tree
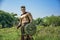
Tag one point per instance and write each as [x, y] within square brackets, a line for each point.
[38, 21]
[52, 20]
[7, 19]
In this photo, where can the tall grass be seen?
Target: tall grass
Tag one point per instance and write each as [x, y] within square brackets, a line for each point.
[48, 33]
[43, 33]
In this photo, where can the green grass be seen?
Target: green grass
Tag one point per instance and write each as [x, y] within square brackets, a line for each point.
[9, 34]
[43, 33]
[48, 33]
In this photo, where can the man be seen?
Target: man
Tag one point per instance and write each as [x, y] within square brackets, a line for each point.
[25, 18]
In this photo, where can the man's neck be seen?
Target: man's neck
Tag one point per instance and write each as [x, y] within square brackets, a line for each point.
[23, 13]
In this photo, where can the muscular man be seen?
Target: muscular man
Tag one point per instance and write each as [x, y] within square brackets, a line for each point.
[25, 18]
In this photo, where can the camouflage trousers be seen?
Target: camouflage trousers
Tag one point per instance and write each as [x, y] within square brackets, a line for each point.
[25, 36]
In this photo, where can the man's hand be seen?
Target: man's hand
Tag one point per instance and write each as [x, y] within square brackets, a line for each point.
[18, 26]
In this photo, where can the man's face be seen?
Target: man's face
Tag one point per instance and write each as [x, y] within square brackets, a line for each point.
[23, 10]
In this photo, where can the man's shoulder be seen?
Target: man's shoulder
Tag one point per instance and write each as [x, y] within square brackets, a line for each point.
[28, 13]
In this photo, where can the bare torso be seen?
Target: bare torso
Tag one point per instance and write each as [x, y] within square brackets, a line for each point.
[24, 18]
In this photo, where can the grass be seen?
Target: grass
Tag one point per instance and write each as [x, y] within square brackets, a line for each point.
[9, 34]
[48, 33]
[43, 33]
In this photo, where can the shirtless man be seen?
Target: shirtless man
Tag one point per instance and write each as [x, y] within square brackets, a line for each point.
[25, 18]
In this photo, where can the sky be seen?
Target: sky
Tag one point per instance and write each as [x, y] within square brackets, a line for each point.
[38, 8]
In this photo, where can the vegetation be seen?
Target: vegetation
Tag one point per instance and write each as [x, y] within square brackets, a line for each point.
[48, 21]
[48, 28]
[7, 19]
[42, 33]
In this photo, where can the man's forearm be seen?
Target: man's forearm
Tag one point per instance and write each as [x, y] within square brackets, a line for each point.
[18, 26]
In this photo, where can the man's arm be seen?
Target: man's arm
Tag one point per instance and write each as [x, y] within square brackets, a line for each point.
[30, 17]
[20, 23]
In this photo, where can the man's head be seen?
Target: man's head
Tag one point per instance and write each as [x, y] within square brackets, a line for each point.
[23, 9]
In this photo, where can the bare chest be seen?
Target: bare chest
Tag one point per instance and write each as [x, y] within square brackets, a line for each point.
[24, 16]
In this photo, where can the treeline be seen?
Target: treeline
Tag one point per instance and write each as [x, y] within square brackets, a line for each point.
[9, 20]
[48, 21]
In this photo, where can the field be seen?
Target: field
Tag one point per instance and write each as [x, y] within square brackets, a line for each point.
[42, 33]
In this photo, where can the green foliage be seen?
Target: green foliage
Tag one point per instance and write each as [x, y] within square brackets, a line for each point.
[38, 21]
[7, 19]
[48, 21]
[52, 20]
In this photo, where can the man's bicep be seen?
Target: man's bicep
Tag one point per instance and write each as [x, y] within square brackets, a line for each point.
[30, 17]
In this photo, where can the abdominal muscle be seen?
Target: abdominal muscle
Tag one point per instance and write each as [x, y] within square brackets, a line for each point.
[24, 21]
